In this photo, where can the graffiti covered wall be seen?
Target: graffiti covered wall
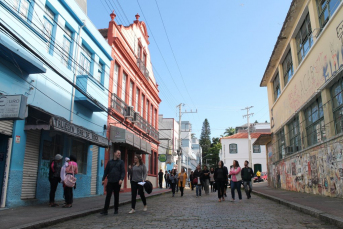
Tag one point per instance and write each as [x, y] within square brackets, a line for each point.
[317, 170]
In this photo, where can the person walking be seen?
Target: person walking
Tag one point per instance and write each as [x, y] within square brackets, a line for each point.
[173, 180]
[182, 180]
[139, 174]
[191, 177]
[198, 176]
[212, 179]
[115, 174]
[63, 174]
[206, 179]
[236, 180]
[166, 177]
[220, 175]
[68, 191]
[129, 173]
[54, 178]
[247, 174]
[160, 178]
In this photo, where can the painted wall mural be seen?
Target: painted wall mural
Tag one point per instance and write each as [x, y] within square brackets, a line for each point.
[318, 170]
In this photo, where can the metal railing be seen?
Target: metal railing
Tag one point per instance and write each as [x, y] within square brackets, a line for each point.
[119, 105]
[146, 127]
[143, 68]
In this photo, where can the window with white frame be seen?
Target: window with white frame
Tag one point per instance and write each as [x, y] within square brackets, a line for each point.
[151, 114]
[115, 78]
[130, 94]
[66, 47]
[287, 66]
[123, 86]
[147, 111]
[256, 149]
[85, 61]
[304, 39]
[276, 87]
[137, 99]
[48, 25]
[325, 10]
[233, 148]
[98, 76]
[315, 127]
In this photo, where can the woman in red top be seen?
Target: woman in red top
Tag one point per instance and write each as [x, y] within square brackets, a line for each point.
[68, 191]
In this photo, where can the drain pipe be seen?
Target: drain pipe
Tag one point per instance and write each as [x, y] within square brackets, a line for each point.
[7, 170]
[75, 70]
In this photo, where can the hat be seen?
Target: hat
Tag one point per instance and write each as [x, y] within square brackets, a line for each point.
[58, 157]
[67, 159]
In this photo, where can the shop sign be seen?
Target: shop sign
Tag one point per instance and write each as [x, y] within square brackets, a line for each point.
[162, 158]
[62, 125]
[12, 107]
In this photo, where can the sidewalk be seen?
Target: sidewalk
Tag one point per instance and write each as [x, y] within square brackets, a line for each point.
[38, 216]
[328, 209]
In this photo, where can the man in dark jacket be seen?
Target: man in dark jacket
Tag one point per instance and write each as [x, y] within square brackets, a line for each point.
[160, 178]
[115, 173]
[198, 175]
[247, 174]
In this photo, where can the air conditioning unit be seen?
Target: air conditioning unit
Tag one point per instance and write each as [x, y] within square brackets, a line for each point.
[129, 112]
[135, 117]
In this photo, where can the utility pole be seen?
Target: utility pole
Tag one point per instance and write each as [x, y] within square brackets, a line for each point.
[180, 149]
[249, 137]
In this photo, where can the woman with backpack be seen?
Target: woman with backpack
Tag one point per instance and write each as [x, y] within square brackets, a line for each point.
[139, 174]
[236, 180]
[70, 170]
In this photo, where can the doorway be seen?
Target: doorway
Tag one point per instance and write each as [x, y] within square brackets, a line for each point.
[3, 153]
[257, 167]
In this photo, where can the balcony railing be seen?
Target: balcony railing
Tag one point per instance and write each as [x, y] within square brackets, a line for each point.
[143, 68]
[146, 127]
[119, 105]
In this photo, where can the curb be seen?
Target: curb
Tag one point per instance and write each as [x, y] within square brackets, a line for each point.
[335, 220]
[53, 221]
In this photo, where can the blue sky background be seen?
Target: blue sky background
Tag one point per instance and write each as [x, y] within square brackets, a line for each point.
[222, 48]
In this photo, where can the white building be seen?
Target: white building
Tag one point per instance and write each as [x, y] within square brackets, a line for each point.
[197, 152]
[169, 143]
[235, 147]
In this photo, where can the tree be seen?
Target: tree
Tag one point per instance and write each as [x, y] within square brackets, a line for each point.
[213, 155]
[205, 140]
[229, 131]
[256, 121]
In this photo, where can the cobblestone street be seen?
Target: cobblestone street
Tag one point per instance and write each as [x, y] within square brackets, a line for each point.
[188, 211]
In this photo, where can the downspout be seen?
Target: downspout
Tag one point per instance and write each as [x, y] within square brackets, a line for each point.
[7, 170]
[75, 71]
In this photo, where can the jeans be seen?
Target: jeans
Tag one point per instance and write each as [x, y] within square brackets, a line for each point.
[247, 187]
[134, 188]
[198, 189]
[53, 186]
[181, 188]
[206, 185]
[68, 192]
[173, 185]
[236, 185]
[110, 188]
[220, 188]
[212, 186]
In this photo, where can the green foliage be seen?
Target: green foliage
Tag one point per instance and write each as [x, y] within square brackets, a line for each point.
[205, 140]
[229, 131]
[213, 154]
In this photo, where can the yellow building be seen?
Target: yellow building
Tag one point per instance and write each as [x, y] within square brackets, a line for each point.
[304, 79]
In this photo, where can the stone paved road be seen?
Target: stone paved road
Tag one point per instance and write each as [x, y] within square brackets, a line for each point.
[166, 211]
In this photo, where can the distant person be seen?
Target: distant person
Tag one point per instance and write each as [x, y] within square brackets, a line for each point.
[212, 179]
[160, 178]
[247, 174]
[173, 180]
[206, 179]
[129, 173]
[236, 180]
[139, 174]
[115, 174]
[198, 179]
[166, 178]
[191, 177]
[54, 178]
[182, 180]
[258, 174]
[220, 175]
[71, 169]
[63, 174]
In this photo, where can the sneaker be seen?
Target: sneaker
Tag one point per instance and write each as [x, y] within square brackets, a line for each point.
[132, 211]
[145, 208]
[104, 213]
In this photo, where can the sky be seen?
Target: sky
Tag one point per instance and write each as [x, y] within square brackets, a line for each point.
[209, 55]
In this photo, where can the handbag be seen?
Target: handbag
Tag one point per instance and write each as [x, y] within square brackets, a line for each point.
[195, 181]
[70, 179]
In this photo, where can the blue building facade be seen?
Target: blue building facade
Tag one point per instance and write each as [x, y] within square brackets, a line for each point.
[52, 54]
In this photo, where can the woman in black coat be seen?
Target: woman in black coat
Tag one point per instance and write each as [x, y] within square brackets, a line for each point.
[220, 177]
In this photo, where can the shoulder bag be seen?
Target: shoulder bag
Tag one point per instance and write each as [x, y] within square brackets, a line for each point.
[70, 179]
